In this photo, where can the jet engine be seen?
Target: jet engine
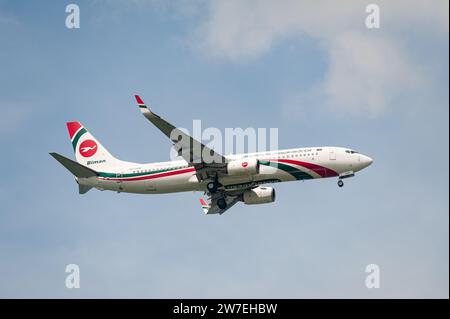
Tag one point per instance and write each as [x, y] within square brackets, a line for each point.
[246, 166]
[259, 195]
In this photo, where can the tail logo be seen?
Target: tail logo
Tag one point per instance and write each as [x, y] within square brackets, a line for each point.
[88, 148]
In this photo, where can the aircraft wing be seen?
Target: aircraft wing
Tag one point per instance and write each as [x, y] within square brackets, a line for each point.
[205, 160]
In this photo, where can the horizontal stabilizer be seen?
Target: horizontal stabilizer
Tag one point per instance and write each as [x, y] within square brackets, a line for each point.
[76, 169]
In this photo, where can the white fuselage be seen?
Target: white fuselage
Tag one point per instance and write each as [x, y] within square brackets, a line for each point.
[276, 166]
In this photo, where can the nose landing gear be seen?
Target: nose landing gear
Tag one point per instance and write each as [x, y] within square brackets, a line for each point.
[344, 175]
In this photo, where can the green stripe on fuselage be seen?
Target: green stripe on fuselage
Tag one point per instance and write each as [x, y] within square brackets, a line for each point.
[288, 169]
[115, 175]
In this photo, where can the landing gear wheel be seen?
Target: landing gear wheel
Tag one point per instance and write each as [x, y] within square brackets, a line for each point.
[340, 183]
[212, 187]
[222, 203]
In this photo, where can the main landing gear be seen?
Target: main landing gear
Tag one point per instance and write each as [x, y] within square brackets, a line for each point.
[213, 186]
[222, 203]
[340, 183]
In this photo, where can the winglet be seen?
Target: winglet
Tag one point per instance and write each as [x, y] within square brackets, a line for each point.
[205, 205]
[139, 101]
[144, 109]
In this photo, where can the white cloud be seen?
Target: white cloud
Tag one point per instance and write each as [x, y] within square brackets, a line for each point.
[242, 29]
[367, 68]
[366, 73]
[247, 28]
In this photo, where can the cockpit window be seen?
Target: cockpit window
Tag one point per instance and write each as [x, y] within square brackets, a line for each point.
[351, 152]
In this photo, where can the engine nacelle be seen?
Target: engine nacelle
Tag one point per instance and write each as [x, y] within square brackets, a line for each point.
[246, 166]
[259, 195]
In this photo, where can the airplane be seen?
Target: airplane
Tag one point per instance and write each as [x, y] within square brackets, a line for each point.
[226, 180]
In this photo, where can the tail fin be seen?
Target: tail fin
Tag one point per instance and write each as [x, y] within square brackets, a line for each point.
[88, 150]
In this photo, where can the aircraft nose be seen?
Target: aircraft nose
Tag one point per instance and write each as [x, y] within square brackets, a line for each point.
[365, 160]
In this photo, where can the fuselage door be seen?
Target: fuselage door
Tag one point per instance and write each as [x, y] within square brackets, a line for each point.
[119, 181]
[332, 154]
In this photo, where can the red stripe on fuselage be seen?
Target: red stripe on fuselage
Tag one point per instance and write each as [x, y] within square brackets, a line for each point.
[321, 170]
[140, 178]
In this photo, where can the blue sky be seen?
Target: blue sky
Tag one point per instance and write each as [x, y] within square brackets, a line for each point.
[317, 75]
